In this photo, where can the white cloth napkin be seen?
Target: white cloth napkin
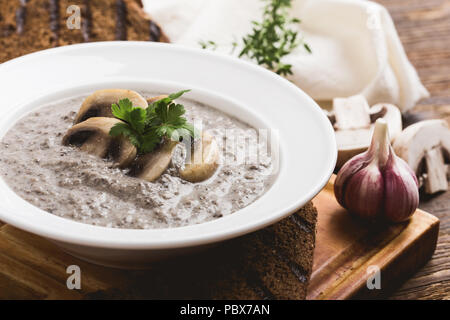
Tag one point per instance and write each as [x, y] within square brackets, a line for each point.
[355, 47]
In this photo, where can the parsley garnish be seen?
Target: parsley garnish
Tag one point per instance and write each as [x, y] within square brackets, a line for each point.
[146, 128]
[270, 40]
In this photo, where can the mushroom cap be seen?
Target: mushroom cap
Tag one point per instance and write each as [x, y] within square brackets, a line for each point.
[152, 165]
[412, 144]
[153, 99]
[99, 103]
[355, 141]
[204, 160]
[92, 136]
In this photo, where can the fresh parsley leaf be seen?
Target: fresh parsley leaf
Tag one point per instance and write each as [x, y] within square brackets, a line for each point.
[146, 128]
[120, 128]
[137, 119]
[175, 111]
[125, 130]
[150, 141]
[161, 111]
[134, 116]
[189, 130]
[123, 109]
[176, 95]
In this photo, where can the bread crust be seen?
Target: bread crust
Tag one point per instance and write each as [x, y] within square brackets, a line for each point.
[33, 25]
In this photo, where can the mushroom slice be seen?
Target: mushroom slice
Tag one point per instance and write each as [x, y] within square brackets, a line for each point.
[425, 146]
[152, 165]
[354, 121]
[204, 160]
[351, 113]
[99, 103]
[153, 99]
[92, 136]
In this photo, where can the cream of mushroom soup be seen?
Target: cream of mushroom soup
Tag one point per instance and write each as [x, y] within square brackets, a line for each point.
[73, 184]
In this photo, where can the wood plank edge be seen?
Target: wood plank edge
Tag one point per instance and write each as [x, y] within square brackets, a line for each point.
[401, 269]
[396, 272]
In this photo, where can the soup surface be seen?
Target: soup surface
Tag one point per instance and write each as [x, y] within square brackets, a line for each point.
[72, 184]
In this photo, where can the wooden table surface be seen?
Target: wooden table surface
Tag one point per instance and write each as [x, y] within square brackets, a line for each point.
[424, 28]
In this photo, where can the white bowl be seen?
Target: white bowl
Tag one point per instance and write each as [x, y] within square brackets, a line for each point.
[306, 138]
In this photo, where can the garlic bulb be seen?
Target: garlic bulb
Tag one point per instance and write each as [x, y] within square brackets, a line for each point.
[378, 185]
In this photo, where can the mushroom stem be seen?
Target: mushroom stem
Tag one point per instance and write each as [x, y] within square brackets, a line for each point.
[203, 162]
[425, 145]
[436, 179]
[152, 165]
[354, 122]
[96, 145]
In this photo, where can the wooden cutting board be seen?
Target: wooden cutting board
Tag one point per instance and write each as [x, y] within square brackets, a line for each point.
[347, 251]
[31, 267]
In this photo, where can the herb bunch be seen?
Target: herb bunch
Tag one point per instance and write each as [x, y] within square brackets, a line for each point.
[147, 128]
[272, 39]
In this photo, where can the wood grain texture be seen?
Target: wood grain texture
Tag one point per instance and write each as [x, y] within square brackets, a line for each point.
[424, 29]
[274, 263]
[347, 248]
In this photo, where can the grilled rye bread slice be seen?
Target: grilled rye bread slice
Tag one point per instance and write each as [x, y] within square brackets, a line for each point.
[31, 25]
[273, 263]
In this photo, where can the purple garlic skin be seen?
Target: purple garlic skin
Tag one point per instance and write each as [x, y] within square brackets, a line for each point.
[378, 185]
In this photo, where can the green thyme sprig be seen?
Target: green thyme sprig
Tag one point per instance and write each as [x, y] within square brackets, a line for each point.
[208, 44]
[272, 39]
[146, 128]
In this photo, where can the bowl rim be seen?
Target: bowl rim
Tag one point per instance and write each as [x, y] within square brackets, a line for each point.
[69, 231]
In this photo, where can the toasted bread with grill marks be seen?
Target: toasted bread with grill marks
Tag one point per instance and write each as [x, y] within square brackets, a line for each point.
[31, 25]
